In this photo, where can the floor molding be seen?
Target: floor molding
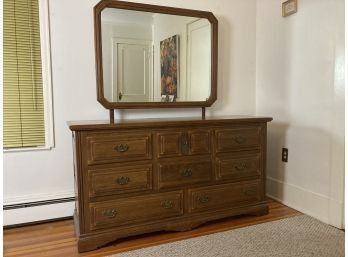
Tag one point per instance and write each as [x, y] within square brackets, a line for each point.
[303, 200]
[38, 203]
[38, 211]
[37, 222]
[28, 198]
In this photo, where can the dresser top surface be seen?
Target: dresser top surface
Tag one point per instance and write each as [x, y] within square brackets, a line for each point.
[162, 122]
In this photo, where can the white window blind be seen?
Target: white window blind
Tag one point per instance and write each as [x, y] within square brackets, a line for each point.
[24, 124]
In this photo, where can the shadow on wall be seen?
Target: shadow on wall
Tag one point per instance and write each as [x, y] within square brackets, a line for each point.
[276, 140]
[312, 160]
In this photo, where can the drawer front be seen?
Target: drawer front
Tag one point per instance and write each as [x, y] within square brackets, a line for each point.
[136, 209]
[238, 166]
[225, 196]
[171, 174]
[118, 147]
[234, 139]
[169, 144]
[118, 180]
[199, 142]
[181, 143]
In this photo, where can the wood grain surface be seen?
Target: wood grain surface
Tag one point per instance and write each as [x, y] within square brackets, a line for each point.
[177, 154]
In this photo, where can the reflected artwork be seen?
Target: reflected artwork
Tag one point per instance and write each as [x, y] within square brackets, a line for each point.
[169, 53]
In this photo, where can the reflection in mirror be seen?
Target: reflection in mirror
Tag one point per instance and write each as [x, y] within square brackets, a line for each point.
[153, 57]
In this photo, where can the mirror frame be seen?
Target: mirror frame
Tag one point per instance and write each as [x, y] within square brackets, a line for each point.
[155, 9]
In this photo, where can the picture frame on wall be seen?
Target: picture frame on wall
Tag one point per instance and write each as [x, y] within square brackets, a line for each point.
[289, 7]
[169, 60]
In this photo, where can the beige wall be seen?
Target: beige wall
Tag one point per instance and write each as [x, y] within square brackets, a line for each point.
[300, 83]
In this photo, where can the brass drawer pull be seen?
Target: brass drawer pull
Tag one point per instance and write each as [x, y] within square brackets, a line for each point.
[122, 180]
[240, 139]
[167, 204]
[184, 143]
[121, 148]
[203, 199]
[249, 192]
[109, 213]
[187, 173]
[241, 167]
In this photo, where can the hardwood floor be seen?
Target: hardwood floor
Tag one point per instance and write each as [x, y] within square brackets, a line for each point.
[58, 238]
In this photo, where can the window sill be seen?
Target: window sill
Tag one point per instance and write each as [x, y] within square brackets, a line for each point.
[28, 149]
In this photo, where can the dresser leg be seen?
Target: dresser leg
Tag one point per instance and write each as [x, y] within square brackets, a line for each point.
[93, 243]
[84, 245]
[262, 210]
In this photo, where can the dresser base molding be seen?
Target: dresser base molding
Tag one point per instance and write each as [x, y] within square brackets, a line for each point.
[93, 241]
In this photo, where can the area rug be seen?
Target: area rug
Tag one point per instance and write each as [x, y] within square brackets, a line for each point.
[300, 236]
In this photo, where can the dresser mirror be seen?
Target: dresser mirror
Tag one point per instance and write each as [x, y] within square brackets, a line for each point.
[151, 56]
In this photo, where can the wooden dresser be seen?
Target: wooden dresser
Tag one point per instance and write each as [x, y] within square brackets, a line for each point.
[141, 176]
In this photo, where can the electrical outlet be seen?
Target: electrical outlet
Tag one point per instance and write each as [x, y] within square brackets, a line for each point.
[285, 154]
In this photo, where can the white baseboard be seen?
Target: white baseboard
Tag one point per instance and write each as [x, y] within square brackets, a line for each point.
[308, 202]
[37, 197]
[335, 208]
[39, 210]
[38, 213]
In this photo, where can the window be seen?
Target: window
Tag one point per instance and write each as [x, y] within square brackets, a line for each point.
[26, 76]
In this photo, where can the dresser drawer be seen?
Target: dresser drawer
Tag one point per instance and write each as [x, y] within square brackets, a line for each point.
[237, 166]
[171, 174]
[112, 147]
[239, 138]
[181, 143]
[169, 144]
[119, 180]
[199, 141]
[136, 209]
[225, 196]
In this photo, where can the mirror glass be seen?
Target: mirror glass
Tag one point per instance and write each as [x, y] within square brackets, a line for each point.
[155, 57]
